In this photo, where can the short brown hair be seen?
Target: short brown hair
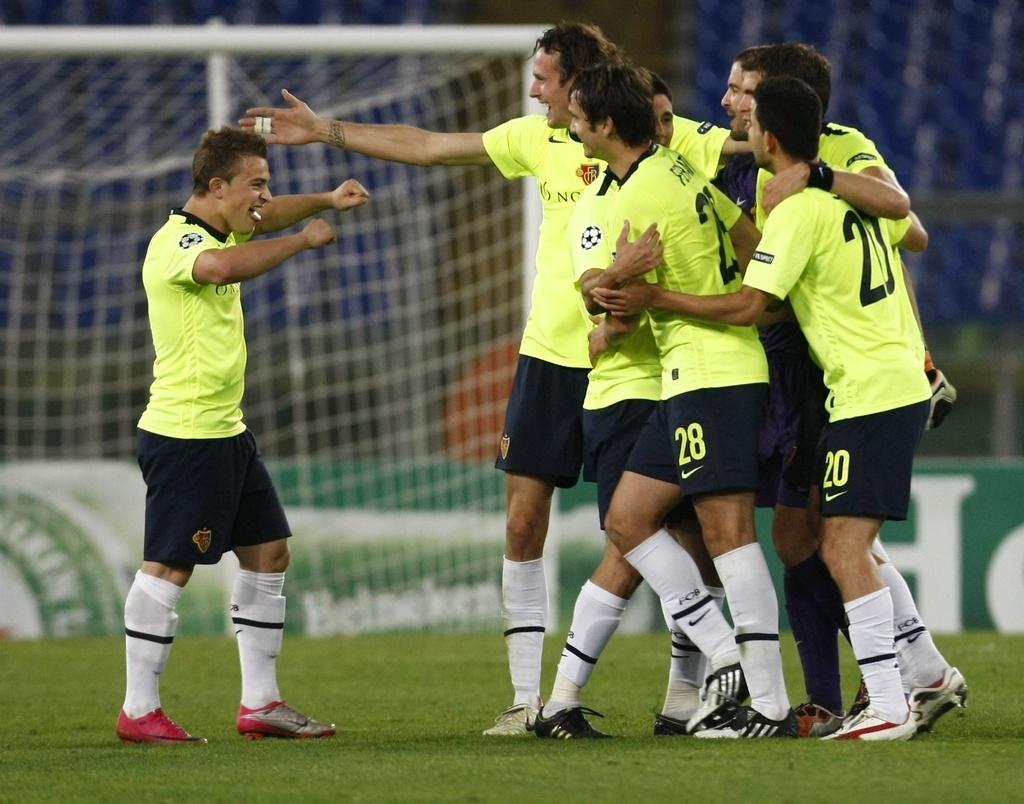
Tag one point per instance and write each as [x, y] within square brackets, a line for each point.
[578, 45]
[799, 60]
[621, 91]
[220, 153]
[748, 58]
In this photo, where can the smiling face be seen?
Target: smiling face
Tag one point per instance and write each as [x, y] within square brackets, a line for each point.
[591, 136]
[548, 88]
[244, 194]
[664, 122]
[730, 102]
[745, 103]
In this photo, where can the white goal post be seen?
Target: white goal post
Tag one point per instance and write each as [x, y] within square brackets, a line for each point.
[378, 368]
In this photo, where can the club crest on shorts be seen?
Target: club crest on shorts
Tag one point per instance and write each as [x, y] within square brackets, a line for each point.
[503, 446]
[202, 539]
[587, 172]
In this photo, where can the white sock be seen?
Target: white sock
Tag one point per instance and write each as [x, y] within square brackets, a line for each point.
[672, 574]
[257, 614]
[870, 619]
[921, 664]
[687, 668]
[596, 616]
[755, 614]
[524, 599]
[149, 624]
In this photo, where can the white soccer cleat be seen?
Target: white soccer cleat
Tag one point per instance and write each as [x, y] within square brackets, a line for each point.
[516, 721]
[928, 704]
[868, 726]
[278, 719]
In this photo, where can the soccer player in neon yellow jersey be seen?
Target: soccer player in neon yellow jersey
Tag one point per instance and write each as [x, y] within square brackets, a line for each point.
[623, 390]
[793, 413]
[835, 265]
[932, 684]
[541, 447]
[701, 441]
[208, 490]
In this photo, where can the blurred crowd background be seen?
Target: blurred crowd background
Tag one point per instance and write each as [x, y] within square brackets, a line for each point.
[938, 85]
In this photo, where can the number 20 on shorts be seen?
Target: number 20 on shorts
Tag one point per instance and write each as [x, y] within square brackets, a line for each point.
[837, 468]
[691, 443]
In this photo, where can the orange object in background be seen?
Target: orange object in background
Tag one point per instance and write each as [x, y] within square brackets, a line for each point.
[474, 407]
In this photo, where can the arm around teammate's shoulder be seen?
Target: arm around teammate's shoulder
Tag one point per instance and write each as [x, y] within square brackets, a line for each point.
[916, 237]
[247, 260]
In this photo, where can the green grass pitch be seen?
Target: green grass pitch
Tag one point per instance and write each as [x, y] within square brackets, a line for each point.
[410, 709]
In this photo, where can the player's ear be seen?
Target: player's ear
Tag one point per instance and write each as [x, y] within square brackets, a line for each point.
[216, 186]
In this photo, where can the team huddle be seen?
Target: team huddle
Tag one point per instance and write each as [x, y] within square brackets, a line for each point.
[720, 320]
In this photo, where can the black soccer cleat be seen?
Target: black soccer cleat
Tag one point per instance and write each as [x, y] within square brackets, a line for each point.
[748, 723]
[861, 700]
[665, 726]
[568, 724]
[724, 692]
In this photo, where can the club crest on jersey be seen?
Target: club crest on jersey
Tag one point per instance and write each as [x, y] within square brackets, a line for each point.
[588, 173]
[188, 240]
[203, 539]
[503, 446]
[591, 237]
[762, 256]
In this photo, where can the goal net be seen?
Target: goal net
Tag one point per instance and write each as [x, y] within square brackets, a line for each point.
[378, 368]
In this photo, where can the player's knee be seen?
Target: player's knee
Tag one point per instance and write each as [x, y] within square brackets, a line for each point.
[834, 554]
[724, 540]
[525, 532]
[792, 549]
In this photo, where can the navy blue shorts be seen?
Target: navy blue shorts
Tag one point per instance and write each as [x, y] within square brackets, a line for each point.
[205, 497]
[608, 437]
[704, 440]
[865, 463]
[794, 416]
[543, 433]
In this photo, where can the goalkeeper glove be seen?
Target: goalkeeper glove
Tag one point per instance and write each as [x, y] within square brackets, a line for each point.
[943, 397]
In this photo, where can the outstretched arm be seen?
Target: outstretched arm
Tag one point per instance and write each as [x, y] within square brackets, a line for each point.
[297, 124]
[284, 210]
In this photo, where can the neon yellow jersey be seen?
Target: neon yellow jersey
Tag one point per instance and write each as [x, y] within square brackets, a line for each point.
[701, 143]
[693, 218]
[526, 146]
[837, 268]
[198, 336]
[839, 147]
[847, 148]
[632, 369]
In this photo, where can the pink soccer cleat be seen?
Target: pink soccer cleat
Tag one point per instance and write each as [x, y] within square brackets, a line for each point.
[277, 719]
[152, 727]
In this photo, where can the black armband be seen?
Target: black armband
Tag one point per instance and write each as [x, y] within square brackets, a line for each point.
[821, 176]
